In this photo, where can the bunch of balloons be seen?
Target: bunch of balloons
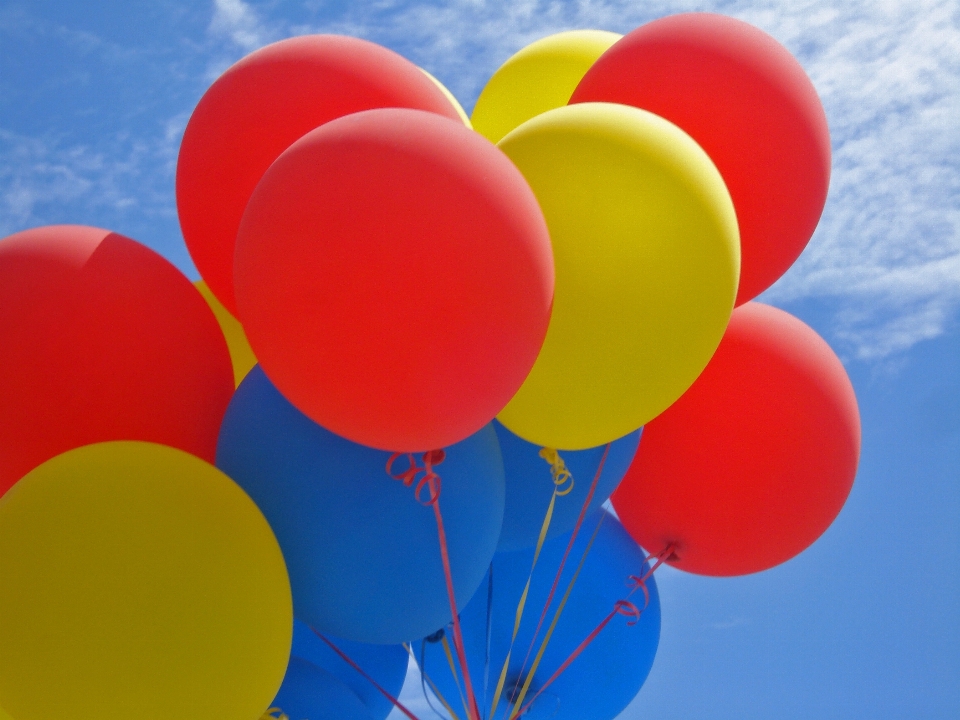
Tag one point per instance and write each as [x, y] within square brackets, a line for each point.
[383, 425]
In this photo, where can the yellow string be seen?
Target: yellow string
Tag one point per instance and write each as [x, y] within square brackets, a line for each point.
[453, 671]
[561, 476]
[558, 470]
[433, 688]
[518, 705]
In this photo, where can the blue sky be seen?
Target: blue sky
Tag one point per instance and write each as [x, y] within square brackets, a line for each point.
[865, 624]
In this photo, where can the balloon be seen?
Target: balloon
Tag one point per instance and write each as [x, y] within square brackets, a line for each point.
[603, 680]
[540, 77]
[530, 485]
[387, 664]
[749, 104]
[313, 693]
[362, 552]
[755, 461]
[102, 339]
[461, 113]
[138, 582]
[645, 245]
[241, 354]
[257, 109]
[394, 276]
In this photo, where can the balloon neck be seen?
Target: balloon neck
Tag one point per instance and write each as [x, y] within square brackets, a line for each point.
[562, 478]
[274, 713]
[669, 554]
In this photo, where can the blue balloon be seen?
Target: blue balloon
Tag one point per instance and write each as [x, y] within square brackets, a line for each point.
[530, 485]
[310, 693]
[361, 550]
[608, 674]
[387, 664]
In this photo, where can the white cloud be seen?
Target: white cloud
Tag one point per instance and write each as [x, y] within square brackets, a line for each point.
[43, 181]
[886, 256]
[238, 29]
[237, 21]
[885, 261]
[887, 251]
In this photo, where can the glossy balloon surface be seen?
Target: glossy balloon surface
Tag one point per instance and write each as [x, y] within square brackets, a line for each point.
[530, 485]
[539, 77]
[138, 580]
[749, 104]
[312, 693]
[387, 664]
[645, 247]
[362, 552]
[602, 681]
[258, 108]
[756, 460]
[394, 277]
[241, 354]
[102, 339]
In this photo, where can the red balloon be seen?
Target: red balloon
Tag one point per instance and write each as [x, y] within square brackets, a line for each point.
[102, 339]
[755, 460]
[745, 99]
[257, 109]
[394, 276]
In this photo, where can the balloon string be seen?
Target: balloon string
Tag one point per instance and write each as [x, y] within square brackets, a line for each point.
[453, 672]
[556, 616]
[573, 536]
[474, 711]
[431, 481]
[400, 706]
[489, 635]
[562, 485]
[621, 607]
[425, 680]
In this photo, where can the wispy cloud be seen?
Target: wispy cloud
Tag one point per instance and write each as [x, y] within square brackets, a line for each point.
[886, 256]
[41, 178]
[885, 261]
[238, 29]
[240, 23]
[887, 252]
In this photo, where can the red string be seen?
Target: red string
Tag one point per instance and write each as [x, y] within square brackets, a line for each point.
[621, 607]
[556, 580]
[356, 667]
[431, 481]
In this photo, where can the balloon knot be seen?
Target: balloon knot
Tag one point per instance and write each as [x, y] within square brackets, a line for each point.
[274, 713]
[558, 469]
[435, 637]
[430, 480]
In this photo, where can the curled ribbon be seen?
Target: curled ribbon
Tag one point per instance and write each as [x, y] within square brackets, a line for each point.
[627, 609]
[558, 469]
[408, 477]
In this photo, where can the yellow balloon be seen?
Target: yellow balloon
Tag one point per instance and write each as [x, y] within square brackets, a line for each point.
[647, 259]
[540, 77]
[453, 100]
[138, 582]
[241, 354]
